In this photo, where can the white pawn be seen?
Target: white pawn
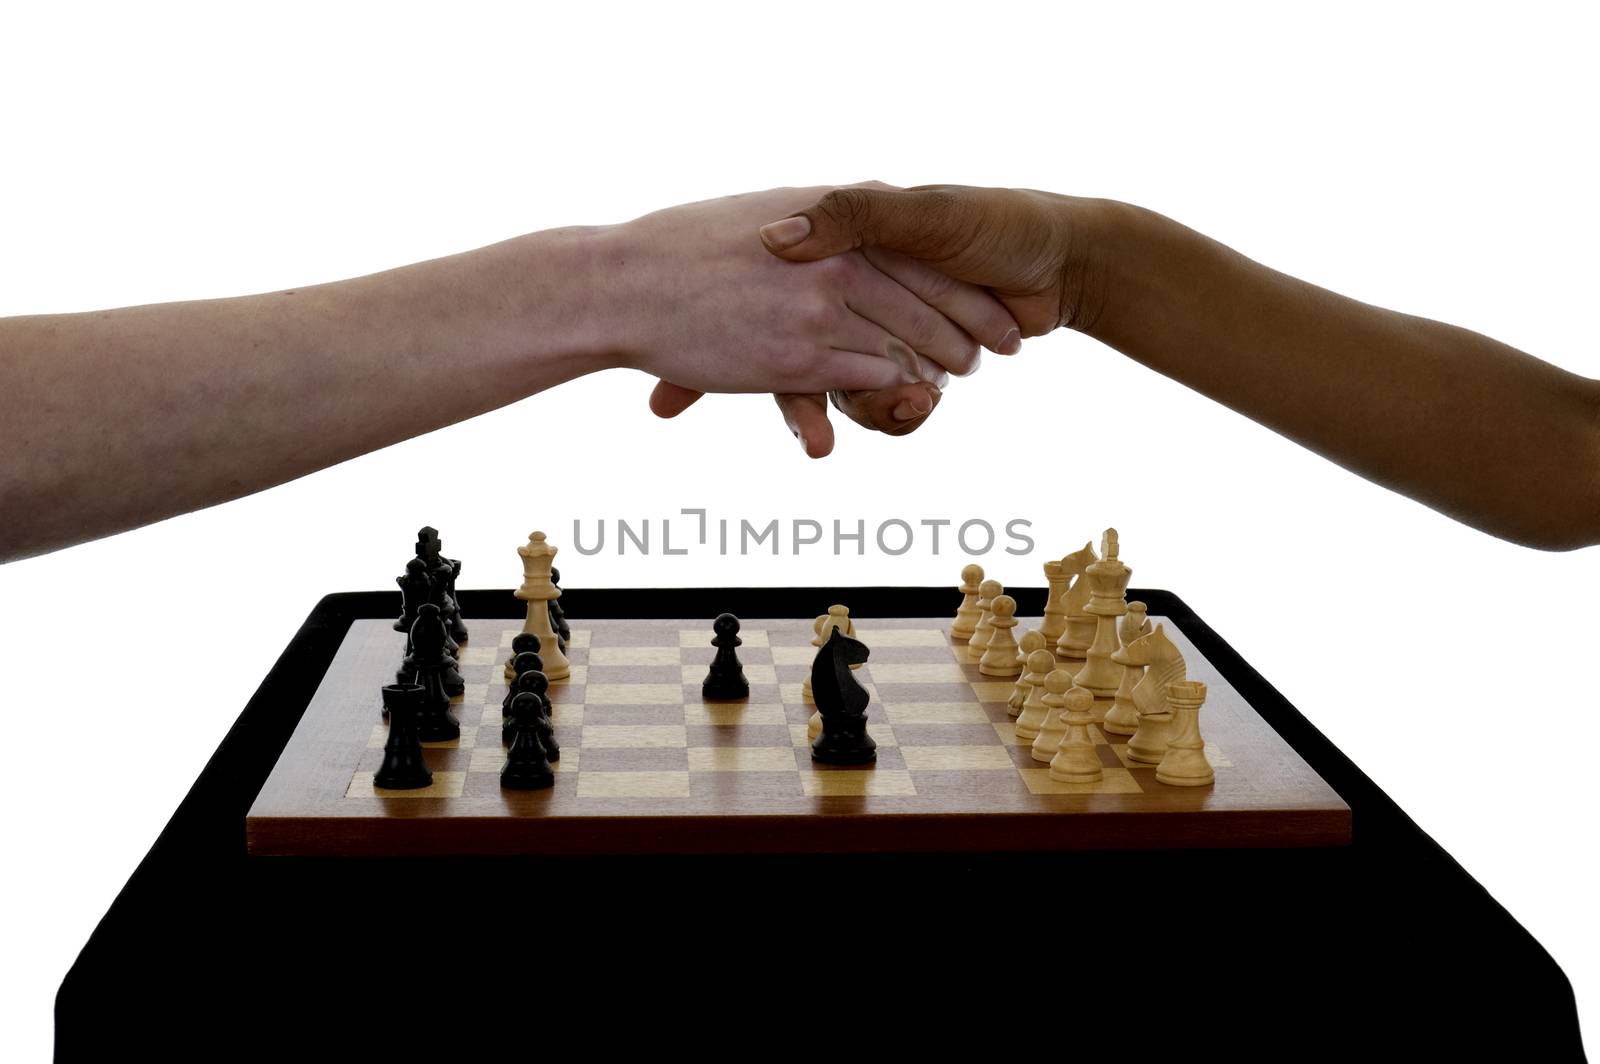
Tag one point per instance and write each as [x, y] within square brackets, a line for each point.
[967, 615]
[1185, 763]
[1000, 654]
[817, 639]
[1076, 760]
[988, 591]
[1054, 727]
[1040, 663]
[1030, 641]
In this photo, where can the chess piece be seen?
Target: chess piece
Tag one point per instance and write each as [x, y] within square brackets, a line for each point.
[1123, 716]
[558, 616]
[416, 587]
[842, 703]
[818, 637]
[988, 591]
[1031, 640]
[1185, 763]
[1165, 665]
[725, 679]
[1040, 665]
[521, 643]
[1076, 760]
[1000, 653]
[527, 768]
[1048, 740]
[443, 571]
[531, 700]
[1055, 614]
[428, 662]
[1073, 646]
[537, 591]
[968, 613]
[529, 679]
[404, 768]
[1108, 583]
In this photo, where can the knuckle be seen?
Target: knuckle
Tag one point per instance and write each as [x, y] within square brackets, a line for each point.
[850, 208]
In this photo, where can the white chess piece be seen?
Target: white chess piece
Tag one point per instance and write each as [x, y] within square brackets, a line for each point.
[1185, 763]
[988, 591]
[1079, 631]
[1123, 717]
[1108, 583]
[1030, 641]
[1076, 760]
[1165, 665]
[1040, 664]
[1000, 654]
[967, 615]
[538, 592]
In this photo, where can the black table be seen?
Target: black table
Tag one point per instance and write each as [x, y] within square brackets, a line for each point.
[1376, 947]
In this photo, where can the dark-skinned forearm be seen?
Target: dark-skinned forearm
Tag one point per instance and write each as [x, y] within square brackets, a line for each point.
[1468, 425]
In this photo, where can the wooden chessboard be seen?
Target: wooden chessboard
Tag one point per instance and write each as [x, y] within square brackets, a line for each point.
[648, 766]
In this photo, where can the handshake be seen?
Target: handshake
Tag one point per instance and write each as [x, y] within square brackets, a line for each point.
[869, 295]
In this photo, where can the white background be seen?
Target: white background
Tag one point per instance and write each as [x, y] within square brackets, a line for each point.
[1428, 159]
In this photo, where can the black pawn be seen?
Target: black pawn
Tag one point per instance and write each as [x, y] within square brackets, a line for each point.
[725, 679]
[403, 766]
[521, 665]
[527, 768]
[558, 617]
[428, 662]
[530, 698]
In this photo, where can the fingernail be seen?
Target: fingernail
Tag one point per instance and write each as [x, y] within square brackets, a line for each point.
[909, 410]
[1011, 343]
[786, 232]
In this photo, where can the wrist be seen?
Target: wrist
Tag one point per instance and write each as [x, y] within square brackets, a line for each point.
[564, 306]
[1132, 261]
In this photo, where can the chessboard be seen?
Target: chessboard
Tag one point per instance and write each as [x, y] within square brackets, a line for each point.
[648, 766]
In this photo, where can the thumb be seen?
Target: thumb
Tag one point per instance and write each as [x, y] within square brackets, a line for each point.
[848, 218]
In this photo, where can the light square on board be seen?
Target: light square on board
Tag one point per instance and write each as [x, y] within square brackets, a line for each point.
[633, 656]
[968, 758]
[932, 672]
[742, 759]
[634, 694]
[732, 713]
[634, 735]
[633, 784]
[854, 783]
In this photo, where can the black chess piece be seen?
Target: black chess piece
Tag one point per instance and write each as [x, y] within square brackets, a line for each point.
[527, 767]
[458, 627]
[428, 663]
[404, 768]
[842, 704]
[416, 586]
[536, 685]
[558, 616]
[521, 664]
[524, 643]
[527, 706]
[725, 679]
[443, 572]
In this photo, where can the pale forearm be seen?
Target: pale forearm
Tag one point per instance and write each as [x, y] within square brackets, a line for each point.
[1471, 426]
[115, 418]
